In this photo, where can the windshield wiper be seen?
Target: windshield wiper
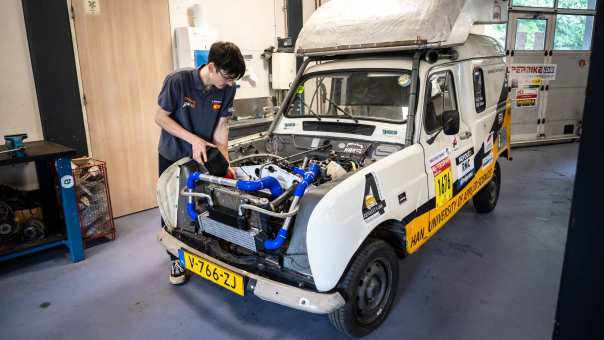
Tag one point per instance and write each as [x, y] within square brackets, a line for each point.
[348, 115]
[312, 112]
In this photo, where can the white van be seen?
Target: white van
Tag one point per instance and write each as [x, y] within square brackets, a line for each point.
[375, 147]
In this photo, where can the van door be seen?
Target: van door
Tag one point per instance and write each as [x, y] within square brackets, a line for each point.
[529, 40]
[484, 111]
[448, 157]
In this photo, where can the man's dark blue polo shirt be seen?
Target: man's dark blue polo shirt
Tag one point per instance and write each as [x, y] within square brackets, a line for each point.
[196, 110]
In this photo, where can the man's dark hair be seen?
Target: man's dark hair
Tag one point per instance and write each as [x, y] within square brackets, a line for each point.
[227, 57]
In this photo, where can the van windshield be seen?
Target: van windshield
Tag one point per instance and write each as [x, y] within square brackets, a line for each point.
[356, 95]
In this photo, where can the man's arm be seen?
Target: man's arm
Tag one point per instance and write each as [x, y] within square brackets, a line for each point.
[199, 145]
[221, 136]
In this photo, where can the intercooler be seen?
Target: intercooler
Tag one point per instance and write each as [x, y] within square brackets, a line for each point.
[236, 236]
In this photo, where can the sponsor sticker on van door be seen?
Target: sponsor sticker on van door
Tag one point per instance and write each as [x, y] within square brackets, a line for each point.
[488, 143]
[440, 165]
[488, 150]
[465, 167]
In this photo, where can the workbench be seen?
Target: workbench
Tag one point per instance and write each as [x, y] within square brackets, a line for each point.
[57, 198]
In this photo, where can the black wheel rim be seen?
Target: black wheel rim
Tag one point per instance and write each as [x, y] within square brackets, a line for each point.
[373, 290]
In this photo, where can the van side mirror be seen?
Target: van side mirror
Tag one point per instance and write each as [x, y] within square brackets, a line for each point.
[450, 122]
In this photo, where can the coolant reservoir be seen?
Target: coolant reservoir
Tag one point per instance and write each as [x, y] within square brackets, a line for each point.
[335, 170]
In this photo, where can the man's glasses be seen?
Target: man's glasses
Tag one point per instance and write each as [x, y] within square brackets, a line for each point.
[225, 76]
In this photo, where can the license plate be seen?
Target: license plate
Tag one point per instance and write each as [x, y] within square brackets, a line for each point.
[213, 272]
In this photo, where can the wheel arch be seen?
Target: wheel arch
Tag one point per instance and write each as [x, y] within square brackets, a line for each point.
[390, 231]
[393, 233]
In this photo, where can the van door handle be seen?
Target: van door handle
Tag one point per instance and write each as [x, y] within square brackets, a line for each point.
[465, 135]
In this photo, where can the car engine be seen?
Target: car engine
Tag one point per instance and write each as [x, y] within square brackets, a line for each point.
[249, 219]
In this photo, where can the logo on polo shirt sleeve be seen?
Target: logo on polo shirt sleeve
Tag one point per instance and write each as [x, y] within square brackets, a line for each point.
[216, 104]
[188, 101]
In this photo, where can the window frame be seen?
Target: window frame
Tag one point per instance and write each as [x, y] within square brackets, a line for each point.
[556, 30]
[483, 90]
[574, 9]
[554, 4]
[427, 98]
[547, 27]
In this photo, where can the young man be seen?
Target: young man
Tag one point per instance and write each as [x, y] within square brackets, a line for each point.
[194, 107]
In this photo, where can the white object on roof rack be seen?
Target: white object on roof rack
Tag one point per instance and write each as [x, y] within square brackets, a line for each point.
[357, 26]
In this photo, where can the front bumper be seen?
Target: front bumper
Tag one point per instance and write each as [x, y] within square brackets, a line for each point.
[266, 289]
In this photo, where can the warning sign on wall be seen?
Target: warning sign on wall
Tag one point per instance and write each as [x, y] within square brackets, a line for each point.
[93, 7]
[527, 97]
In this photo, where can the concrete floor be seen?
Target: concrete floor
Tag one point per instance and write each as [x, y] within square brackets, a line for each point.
[492, 276]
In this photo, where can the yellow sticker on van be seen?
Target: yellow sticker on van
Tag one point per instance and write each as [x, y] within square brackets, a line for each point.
[443, 185]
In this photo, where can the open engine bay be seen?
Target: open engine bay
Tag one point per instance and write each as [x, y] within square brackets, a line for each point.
[257, 221]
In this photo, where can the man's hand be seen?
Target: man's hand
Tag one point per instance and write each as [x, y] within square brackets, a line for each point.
[200, 146]
[231, 173]
[163, 119]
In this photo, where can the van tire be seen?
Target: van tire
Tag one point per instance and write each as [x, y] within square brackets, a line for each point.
[486, 199]
[373, 272]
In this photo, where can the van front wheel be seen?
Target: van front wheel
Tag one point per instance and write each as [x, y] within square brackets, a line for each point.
[369, 287]
[486, 199]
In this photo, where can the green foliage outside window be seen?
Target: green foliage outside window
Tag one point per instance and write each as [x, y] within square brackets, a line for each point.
[531, 29]
[577, 4]
[573, 32]
[572, 4]
[535, 3]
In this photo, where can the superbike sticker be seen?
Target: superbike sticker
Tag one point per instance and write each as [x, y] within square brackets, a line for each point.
[373, 204]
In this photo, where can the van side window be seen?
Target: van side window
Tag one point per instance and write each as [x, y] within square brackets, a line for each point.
[440, 97]
[480, 99]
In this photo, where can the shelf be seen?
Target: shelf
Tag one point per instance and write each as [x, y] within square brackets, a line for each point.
[17, 249]
[56, 182]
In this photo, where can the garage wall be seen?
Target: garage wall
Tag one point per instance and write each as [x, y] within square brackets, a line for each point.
[253, 25]
[18, 104]
[248, 23]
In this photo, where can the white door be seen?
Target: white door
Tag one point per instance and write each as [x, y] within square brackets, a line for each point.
[529, 42]
[442, 150]
[566, 94]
